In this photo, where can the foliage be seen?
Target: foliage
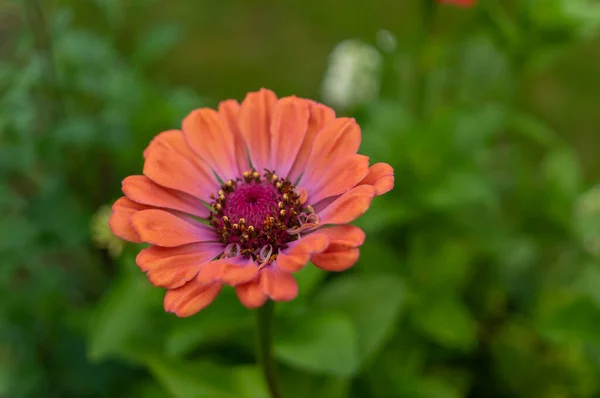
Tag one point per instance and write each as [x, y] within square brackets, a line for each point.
[481, 271]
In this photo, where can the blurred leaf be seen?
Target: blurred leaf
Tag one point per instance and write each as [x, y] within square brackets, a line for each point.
[575, 321]
[185, 379]
[320, 343]
[155, 42]
[447, 321]
[372, 302]
[533, 129]
[462, 188]
[223, 320]
[562, 171]
[301, 385]
[121, 319]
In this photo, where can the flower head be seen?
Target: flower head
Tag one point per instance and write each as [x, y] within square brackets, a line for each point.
[460, 3]
[246, 196]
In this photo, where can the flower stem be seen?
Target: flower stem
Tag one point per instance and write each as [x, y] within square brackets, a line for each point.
[265, 347]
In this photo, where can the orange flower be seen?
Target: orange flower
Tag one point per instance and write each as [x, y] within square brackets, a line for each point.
[246, 196]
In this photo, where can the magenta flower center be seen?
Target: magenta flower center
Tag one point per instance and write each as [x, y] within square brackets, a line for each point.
[256, 215]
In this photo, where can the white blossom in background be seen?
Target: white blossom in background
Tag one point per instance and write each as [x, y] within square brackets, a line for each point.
[587, 212]
[353, 75]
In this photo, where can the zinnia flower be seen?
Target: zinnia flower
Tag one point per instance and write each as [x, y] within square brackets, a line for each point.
[460, 3]
[246, 196]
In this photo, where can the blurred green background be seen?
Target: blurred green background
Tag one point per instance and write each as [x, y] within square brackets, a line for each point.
[480, 276]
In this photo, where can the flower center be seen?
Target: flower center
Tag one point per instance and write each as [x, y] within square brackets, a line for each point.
[256, 215]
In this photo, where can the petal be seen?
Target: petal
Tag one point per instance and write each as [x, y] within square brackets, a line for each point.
[348, 207]
[173, 267]
[298, 252]
[190, 298]
[120, 223]
[337, 139]
[336, 260]
[250, 294]
[172, 164]
[209, 137]
[277, 284]
[320, 115]
[342, 237]
[341, 176]
[143, 190]
[229, 111]
[233, 271]
[255, 123]
[288, 128]
[381, 176]
[165, 229]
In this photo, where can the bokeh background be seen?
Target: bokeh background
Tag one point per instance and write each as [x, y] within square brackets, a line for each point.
[480, 276]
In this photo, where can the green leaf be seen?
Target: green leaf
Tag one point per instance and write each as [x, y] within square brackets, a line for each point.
[575, 321]
[224, 319]
[121, 319]
[563, 172]
[183, 379]
[371, 302]
[320, 343]
[203, 379]
[302, 385]
[447, 321]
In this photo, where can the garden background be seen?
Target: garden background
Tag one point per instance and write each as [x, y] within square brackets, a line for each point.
[480, 275]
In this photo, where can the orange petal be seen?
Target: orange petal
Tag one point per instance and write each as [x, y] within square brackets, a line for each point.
[277, 284]
[342, 237]
[165, 229]
[120, 223]
[190, 298]
[381, 176]
[209, 137]
[342, 175]
[349, 206]
[250, 294]
[337, 139]
[229, 111]
[336, 260]
[320, 115]
[172, 164]
[255, 123]
[233, 271]
[298, 252]
[173, 267]
[288, 127]
[143, 190]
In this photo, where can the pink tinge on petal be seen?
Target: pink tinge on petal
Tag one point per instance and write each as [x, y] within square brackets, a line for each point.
[229, 111]
[143, 190]
[277, 284]
[338, 139]
[166, 229]
[349, 206]
[209, 137]
[172, 164]
[320, 116]
[173, 267]
[336, 260]
[250, 294]
[255, 125]
[381, 176]
[298, 252]
[190, 298]
[120, 219]
[342, 175]
[289, 124]
[342, 237]
[232, 271]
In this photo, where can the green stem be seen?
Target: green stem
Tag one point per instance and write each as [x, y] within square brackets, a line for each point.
[264, 329]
